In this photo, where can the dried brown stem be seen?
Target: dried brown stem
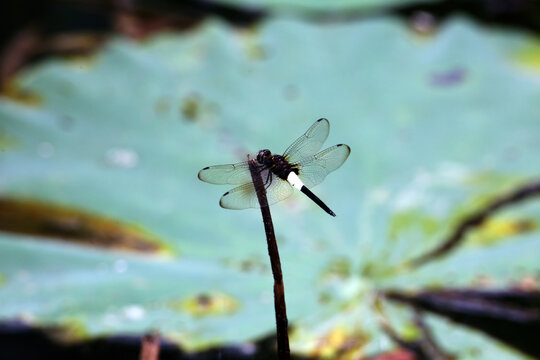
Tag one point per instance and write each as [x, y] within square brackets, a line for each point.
[279, 292]
[150, 347]
[508, 315]
[423, 348]
[476, 219]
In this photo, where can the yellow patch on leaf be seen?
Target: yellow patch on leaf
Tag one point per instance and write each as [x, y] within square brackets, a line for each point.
[529, 57]
[71, 330]
[408, 220]
[494, 230]
[14, 92]
[339, 343]
[207, 304]
[76, 226]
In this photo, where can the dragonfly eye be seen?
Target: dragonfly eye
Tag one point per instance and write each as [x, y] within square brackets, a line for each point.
[263, 154]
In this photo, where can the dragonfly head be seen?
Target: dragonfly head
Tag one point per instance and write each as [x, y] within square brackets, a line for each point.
[263, 156]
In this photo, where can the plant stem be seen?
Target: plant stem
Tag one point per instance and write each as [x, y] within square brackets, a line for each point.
[476, 219]
[279, 292]
[509, 315]
[150, 347]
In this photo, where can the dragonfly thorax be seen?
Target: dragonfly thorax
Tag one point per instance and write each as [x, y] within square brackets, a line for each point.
[277, 164]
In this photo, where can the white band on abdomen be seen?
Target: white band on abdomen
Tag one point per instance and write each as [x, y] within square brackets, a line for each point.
[294, 180]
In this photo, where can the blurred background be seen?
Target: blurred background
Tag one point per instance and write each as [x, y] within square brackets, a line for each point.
[109, 109]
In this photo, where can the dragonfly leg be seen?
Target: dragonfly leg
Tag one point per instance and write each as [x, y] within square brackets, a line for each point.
[268, 181]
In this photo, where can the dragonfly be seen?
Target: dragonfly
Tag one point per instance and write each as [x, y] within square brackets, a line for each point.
[301, 166]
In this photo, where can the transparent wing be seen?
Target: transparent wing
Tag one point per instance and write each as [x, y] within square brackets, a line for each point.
[233, 174]
[244, 196]
[309, 143]
[313, 169]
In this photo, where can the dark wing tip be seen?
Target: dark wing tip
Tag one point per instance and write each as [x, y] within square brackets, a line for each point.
[206, 168]
[221, 200]
[347, 146]
[199, 174]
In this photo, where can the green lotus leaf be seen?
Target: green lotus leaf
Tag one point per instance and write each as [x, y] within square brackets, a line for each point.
[112, 232]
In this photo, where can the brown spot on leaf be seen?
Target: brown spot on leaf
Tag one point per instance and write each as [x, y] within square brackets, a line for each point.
[250, 264]
[191, 107]
[75, 226]
[14, 92]
[205, 304]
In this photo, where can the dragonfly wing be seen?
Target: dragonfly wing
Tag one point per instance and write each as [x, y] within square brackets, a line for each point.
[278, 190]
[244, 196]
[232, 174]
[309, 143]
[313, 170]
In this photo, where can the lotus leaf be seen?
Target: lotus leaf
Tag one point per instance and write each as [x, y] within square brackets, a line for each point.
[438, 125]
